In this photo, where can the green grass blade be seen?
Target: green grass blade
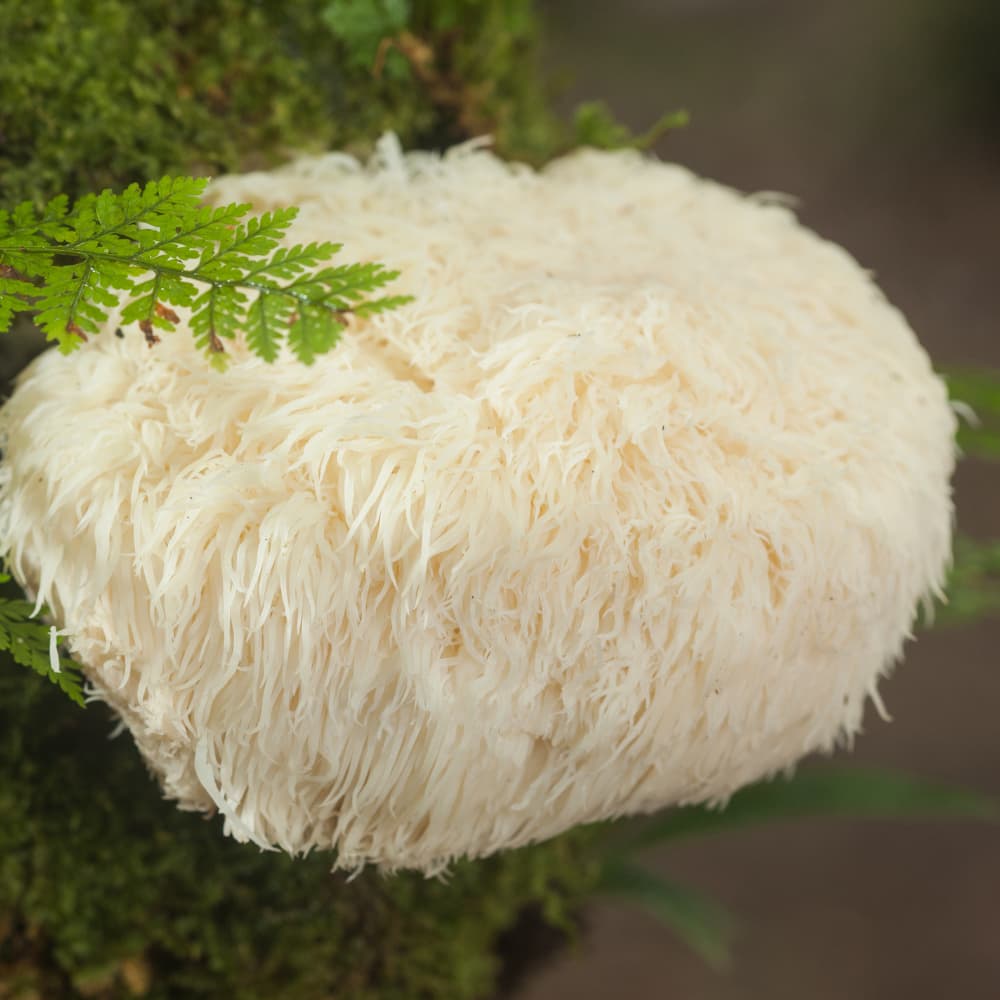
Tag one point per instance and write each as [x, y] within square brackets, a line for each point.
[704, 925]
[850, 792]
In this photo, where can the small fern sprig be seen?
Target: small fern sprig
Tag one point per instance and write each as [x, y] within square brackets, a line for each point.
[32, 644]
[153, 248]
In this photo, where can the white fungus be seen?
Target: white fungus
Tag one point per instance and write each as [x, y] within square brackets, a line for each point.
[634, 504]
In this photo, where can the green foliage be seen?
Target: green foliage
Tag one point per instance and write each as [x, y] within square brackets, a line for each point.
[978, 391]
[103, 884]
[157, 246]
[810, 793]
[973, 587]
[824, 792]
[102, 93]
[595, 125]
[29, 643]
[698, 921]
[364, 25]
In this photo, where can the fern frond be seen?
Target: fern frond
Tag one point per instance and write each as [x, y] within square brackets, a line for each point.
[268, 314]
[314, 331]
[15, 296]
[152, 248]
[29, 642]
[384, 304]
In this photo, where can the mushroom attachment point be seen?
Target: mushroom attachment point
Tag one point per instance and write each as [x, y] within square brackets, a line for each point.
[633, 504]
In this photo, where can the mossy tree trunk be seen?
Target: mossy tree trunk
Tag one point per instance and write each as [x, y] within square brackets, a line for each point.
[106, 890]
[104, 92]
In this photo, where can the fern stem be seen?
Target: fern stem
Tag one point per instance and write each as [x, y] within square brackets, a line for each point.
[79, 291]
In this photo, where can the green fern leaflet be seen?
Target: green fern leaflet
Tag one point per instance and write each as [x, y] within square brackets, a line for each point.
[29, 641]
[152, 249]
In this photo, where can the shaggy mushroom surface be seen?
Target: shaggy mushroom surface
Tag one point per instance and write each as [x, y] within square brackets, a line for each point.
[634, 504]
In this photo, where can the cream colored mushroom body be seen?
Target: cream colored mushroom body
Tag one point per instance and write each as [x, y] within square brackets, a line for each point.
[634, 504]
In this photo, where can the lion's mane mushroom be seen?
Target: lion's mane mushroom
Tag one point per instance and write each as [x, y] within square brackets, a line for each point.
[635, 503]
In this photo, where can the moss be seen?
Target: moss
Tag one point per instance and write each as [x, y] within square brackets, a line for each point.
[107, 890]
[102, 92]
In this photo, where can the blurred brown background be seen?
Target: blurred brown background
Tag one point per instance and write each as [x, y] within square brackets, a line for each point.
[883, 118]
